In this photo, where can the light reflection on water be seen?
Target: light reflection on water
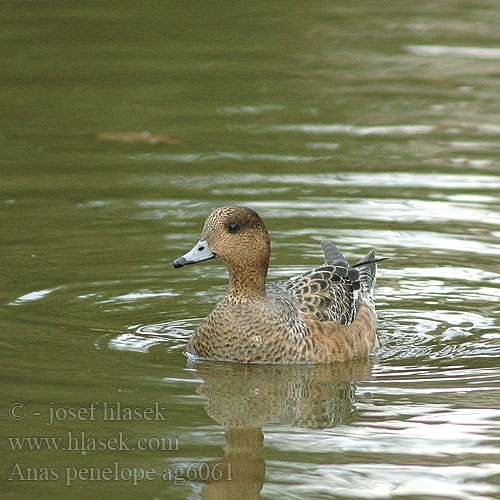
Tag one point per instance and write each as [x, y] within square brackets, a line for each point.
[373, 179]
[343, 121]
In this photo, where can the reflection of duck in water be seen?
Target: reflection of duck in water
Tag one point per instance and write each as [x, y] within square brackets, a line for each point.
[325, 315]
[244, 398]
[299, 395]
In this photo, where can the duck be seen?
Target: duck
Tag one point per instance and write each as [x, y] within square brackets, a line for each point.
[325, 315]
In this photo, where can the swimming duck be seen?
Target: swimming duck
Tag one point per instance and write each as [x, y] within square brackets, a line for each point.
[325, 315]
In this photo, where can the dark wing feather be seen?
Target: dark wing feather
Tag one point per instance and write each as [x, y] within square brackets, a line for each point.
[333, 256]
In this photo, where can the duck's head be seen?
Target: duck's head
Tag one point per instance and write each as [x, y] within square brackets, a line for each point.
[235, 235]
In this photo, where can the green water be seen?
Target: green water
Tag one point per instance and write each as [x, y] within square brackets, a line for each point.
[373, 124]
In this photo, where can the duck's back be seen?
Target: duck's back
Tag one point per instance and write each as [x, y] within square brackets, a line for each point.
[333, 291]
[336, 303]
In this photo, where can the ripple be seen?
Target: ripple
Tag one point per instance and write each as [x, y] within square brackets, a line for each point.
[368, 179]
[433, 332]
[330, 146]
[445, 50]
[34, 296]
[172, 335]
[421, 241]
[408, 130]
[205, 157]
[431, 432]
[378, 480]
[382, 209]
[136, 296]
[338, 128]
[475, 145]
[249, 110]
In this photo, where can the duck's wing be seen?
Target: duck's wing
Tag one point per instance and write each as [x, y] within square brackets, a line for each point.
[327, 293]
[332, 291]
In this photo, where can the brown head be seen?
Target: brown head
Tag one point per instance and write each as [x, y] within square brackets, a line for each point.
[237, 236]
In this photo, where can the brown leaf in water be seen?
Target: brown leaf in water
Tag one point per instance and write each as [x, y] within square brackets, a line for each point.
[138, 137]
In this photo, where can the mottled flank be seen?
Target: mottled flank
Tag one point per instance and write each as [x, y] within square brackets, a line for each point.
[326, 315]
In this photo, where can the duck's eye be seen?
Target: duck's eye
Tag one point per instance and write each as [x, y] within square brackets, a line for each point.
[233, 227]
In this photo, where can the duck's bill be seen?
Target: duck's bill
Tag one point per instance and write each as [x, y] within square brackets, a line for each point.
[200, 252]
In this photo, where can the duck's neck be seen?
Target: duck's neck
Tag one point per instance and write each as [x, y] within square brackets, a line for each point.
[247, 283]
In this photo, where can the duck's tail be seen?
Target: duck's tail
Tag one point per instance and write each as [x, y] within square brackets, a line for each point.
[366, 267]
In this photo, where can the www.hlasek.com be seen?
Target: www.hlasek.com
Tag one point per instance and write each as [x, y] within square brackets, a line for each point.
[82, 442]
[177, 475]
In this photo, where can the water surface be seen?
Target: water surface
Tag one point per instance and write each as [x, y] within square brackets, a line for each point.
[123, 126]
